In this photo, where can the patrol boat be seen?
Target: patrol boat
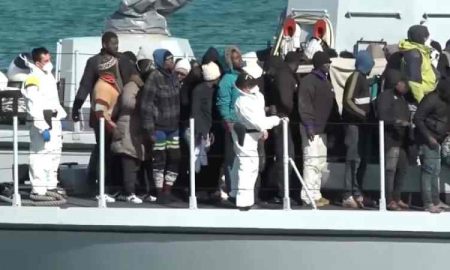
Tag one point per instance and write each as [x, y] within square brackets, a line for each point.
[122, 238]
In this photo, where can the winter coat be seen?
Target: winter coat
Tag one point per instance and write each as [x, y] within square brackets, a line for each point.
[128, 135]
[284, 91]
[432, 117]
[160, 103]
[315, 102]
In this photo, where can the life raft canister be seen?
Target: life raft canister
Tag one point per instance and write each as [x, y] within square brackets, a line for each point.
[320, 29]
[289, 27]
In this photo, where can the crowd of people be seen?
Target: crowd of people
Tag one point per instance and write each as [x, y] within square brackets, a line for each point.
[147, 102]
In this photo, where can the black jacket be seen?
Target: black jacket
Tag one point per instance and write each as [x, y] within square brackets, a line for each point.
[356, 99]
[432, 116]
[444, 64]
[203, 109]
[91, 75]
[285, 88]
[393, 108]
[315, 102]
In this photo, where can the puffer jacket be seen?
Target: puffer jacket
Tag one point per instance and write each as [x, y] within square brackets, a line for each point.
[128, 135]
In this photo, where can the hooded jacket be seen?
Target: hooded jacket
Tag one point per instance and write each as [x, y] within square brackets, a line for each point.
[432, 116]
[357, 97]
[417, 62]
[228, 93]
[160, 105]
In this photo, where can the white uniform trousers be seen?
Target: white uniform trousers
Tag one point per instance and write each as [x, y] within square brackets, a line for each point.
[246, 168]
[314, 164]
[45, 158]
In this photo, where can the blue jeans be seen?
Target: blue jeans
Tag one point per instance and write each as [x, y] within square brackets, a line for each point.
[430, 171]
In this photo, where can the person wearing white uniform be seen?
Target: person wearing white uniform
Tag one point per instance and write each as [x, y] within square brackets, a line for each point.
[252, 126]
[45, 110]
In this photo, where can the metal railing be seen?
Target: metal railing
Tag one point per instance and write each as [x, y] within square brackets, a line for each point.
[287, 162]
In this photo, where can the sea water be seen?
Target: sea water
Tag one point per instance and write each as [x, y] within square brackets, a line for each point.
[25, 24]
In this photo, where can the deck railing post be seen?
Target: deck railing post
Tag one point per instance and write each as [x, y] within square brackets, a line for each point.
[286, 199]
[16, 196]
[382, 168]
[192, 197]
[102, 198]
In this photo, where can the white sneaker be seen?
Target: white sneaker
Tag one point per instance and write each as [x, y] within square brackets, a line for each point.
[108, 198]
[134, 199]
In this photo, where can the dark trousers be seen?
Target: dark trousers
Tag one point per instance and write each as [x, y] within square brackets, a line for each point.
[396, 169]
[357, 141]
[130, 168]
[229, 157]
[112, 167]
[430, 171]
[209, 177]
[276, 170]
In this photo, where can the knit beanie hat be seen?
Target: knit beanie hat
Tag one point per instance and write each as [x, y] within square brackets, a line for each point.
[320, 59]
[183, 66]
[211, 72]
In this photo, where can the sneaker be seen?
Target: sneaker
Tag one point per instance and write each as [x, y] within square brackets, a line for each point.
[134, 199]
[319, 203]
[433, 209]
[443, 206]
[359, 201]
[150, 198]
[108, 198]
[403, 205]
[350, 203]
[393, 206]
[324, 201]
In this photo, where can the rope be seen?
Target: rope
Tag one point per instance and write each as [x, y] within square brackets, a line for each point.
[49, 199]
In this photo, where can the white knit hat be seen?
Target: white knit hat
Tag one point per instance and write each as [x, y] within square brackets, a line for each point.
[211, 72]
[183, 65]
